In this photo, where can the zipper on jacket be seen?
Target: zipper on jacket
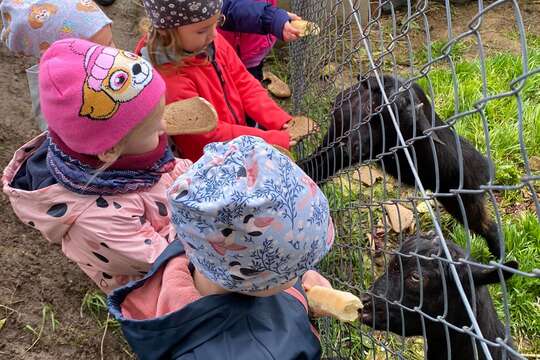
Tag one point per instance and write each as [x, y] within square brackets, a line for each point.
[222, 82]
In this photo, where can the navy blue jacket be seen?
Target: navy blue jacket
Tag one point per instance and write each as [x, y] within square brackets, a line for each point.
[34, 174]
[249, 16]
[225, 327]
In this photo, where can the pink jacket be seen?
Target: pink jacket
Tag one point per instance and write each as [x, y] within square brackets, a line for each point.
[251, 48]
[113, 240]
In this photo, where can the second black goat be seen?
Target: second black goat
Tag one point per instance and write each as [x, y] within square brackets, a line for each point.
[362, 130]
[417, 280]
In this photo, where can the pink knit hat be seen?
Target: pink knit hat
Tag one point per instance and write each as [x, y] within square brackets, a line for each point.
[92, 96]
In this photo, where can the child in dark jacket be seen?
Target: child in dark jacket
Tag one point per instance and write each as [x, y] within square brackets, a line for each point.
[250, 225]
[195, 60]
[253, 30]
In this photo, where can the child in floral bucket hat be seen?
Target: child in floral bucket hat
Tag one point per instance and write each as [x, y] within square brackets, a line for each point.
[251, 226]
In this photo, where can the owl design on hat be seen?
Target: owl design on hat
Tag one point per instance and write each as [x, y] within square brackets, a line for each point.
[40, 13]
[87, 6]
[113, 77]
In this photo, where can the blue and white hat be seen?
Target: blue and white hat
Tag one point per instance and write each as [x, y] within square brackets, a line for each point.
[31, 26]
[249, 218]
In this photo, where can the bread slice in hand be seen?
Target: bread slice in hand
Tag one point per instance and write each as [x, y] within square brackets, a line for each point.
[306, 27]
[301, 126]
[341, 305]
[190, 116]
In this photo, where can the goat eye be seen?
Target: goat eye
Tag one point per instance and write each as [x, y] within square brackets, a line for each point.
[414, 277]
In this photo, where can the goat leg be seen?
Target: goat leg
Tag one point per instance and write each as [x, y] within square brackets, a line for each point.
[478, 219]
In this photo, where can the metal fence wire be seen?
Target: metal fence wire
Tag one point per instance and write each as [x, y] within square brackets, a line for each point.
[422, 179]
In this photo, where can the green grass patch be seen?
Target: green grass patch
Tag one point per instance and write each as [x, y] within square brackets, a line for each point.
[498, 116]
[522, 241]
[94, 304]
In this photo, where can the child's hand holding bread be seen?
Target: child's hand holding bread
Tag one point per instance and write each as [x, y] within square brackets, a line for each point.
[325, 301]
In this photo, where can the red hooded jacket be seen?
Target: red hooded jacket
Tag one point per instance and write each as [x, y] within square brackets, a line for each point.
[234, 92]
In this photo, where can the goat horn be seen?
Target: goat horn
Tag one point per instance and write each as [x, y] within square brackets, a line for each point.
[437, 140]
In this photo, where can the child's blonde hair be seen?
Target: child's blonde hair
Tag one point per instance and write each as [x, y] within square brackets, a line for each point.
[165, 39]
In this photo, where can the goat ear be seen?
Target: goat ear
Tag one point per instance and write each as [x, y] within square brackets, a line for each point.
[423, 123]
[485, 277]
[424, 107]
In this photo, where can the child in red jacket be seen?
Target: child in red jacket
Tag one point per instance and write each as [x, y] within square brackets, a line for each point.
[195, 60]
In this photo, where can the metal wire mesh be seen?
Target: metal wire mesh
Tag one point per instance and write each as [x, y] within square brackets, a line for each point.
[407, 192]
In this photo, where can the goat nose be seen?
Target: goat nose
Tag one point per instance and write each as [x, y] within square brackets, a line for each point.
[365, 298]
[137, 69]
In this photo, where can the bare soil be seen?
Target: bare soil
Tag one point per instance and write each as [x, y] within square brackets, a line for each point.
[34, 274]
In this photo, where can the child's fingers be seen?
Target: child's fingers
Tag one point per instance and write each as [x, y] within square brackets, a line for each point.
[290, 33]
[312, 278]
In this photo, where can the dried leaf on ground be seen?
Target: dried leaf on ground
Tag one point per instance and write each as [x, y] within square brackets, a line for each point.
[276, 86]
[376, 241]
[400, 217]
[367, 175]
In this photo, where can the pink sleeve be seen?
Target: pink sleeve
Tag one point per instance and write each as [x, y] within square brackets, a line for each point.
[169, 289]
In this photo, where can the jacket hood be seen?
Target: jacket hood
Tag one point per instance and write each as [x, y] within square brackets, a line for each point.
[36, 197]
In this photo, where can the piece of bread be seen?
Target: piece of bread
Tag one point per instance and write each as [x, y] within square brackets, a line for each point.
[276, 86]
[191, 116]
[301, 126]
[306, 27]
[341, 305]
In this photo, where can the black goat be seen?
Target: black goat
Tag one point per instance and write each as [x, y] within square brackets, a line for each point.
[362, 130]
[430, 275]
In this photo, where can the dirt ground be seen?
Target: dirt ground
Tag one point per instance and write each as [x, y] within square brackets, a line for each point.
[35, 275]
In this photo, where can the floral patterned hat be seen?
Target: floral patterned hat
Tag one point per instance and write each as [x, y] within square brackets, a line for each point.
[249, 218]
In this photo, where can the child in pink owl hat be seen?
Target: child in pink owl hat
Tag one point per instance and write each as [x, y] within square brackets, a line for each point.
[96, 182]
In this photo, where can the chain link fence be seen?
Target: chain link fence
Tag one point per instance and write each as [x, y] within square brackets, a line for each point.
[428, 150]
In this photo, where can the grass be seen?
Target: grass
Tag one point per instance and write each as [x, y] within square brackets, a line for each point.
[522, 241]
[355, 209]
[47, 314]
[500, 116]
[94, 303]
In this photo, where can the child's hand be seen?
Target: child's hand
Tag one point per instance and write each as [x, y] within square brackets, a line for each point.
[290, 33]
[291, 142]
[312, 278]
